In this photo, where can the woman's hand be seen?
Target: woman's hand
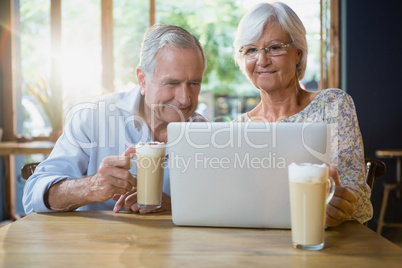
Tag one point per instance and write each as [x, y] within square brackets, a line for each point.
[342, 203]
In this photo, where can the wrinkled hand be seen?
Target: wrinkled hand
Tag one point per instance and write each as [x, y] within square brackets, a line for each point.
[113, 177]
[128, 200]
[342, 203]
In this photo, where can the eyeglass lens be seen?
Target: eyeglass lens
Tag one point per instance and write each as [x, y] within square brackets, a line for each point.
[272, 50]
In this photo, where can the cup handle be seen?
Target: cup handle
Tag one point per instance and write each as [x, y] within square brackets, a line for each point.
[330, 189]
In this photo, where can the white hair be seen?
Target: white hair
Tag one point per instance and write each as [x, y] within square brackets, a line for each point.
[160, 35]
[252, 26]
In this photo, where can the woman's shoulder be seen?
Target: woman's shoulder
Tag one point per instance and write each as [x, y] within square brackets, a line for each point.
[336, 102]
[333, 95]
[332, 92]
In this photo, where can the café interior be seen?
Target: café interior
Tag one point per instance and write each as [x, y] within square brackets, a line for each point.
[349, 36]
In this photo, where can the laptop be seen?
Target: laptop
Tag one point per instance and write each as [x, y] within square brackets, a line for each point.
[235, 174]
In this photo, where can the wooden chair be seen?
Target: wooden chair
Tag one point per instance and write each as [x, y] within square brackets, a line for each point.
[374, 168]
[28, 169]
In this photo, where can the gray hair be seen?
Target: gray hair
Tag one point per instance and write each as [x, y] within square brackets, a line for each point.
[160, 35]
[252, 25]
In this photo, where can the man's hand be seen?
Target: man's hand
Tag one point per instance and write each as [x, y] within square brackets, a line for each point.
[129, 202]
[129, 199]
[342, 203]
[113, 177]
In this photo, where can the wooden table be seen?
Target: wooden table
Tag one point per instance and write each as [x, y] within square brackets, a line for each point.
[397, 154]
[106, 239]
[9, 150]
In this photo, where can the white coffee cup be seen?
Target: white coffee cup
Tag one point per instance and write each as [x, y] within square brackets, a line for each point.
[310, 189]
[150, 157]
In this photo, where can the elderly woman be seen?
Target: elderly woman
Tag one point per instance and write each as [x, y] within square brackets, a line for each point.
[271, 50]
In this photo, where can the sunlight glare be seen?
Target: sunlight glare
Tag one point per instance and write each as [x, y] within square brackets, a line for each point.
[81, 73]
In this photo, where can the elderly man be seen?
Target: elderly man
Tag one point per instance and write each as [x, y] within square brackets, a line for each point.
[90, 165]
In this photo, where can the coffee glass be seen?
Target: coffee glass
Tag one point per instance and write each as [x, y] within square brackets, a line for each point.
[150, 158]
[310, 189]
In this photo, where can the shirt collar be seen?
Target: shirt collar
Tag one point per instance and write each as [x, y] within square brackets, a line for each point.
[131, 102]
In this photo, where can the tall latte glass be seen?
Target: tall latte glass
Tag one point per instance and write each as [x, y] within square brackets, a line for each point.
[310, 189]
[150, 159]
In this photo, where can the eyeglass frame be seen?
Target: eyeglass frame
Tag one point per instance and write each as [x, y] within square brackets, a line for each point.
[282, 45]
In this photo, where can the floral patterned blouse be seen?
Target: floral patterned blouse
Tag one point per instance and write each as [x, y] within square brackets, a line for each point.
[335, 107]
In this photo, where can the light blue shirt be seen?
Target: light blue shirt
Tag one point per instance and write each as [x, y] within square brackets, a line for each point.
[105, 127]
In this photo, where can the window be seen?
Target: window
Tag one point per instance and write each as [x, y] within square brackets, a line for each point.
[131, 19]
[35, 64]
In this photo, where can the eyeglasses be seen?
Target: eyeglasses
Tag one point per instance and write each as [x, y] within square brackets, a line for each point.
[278, 49]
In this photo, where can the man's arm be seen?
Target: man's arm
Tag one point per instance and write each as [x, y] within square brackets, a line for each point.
[113, 177]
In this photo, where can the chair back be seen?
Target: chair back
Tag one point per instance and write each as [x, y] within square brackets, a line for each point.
[374, 168]
[28, 169]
